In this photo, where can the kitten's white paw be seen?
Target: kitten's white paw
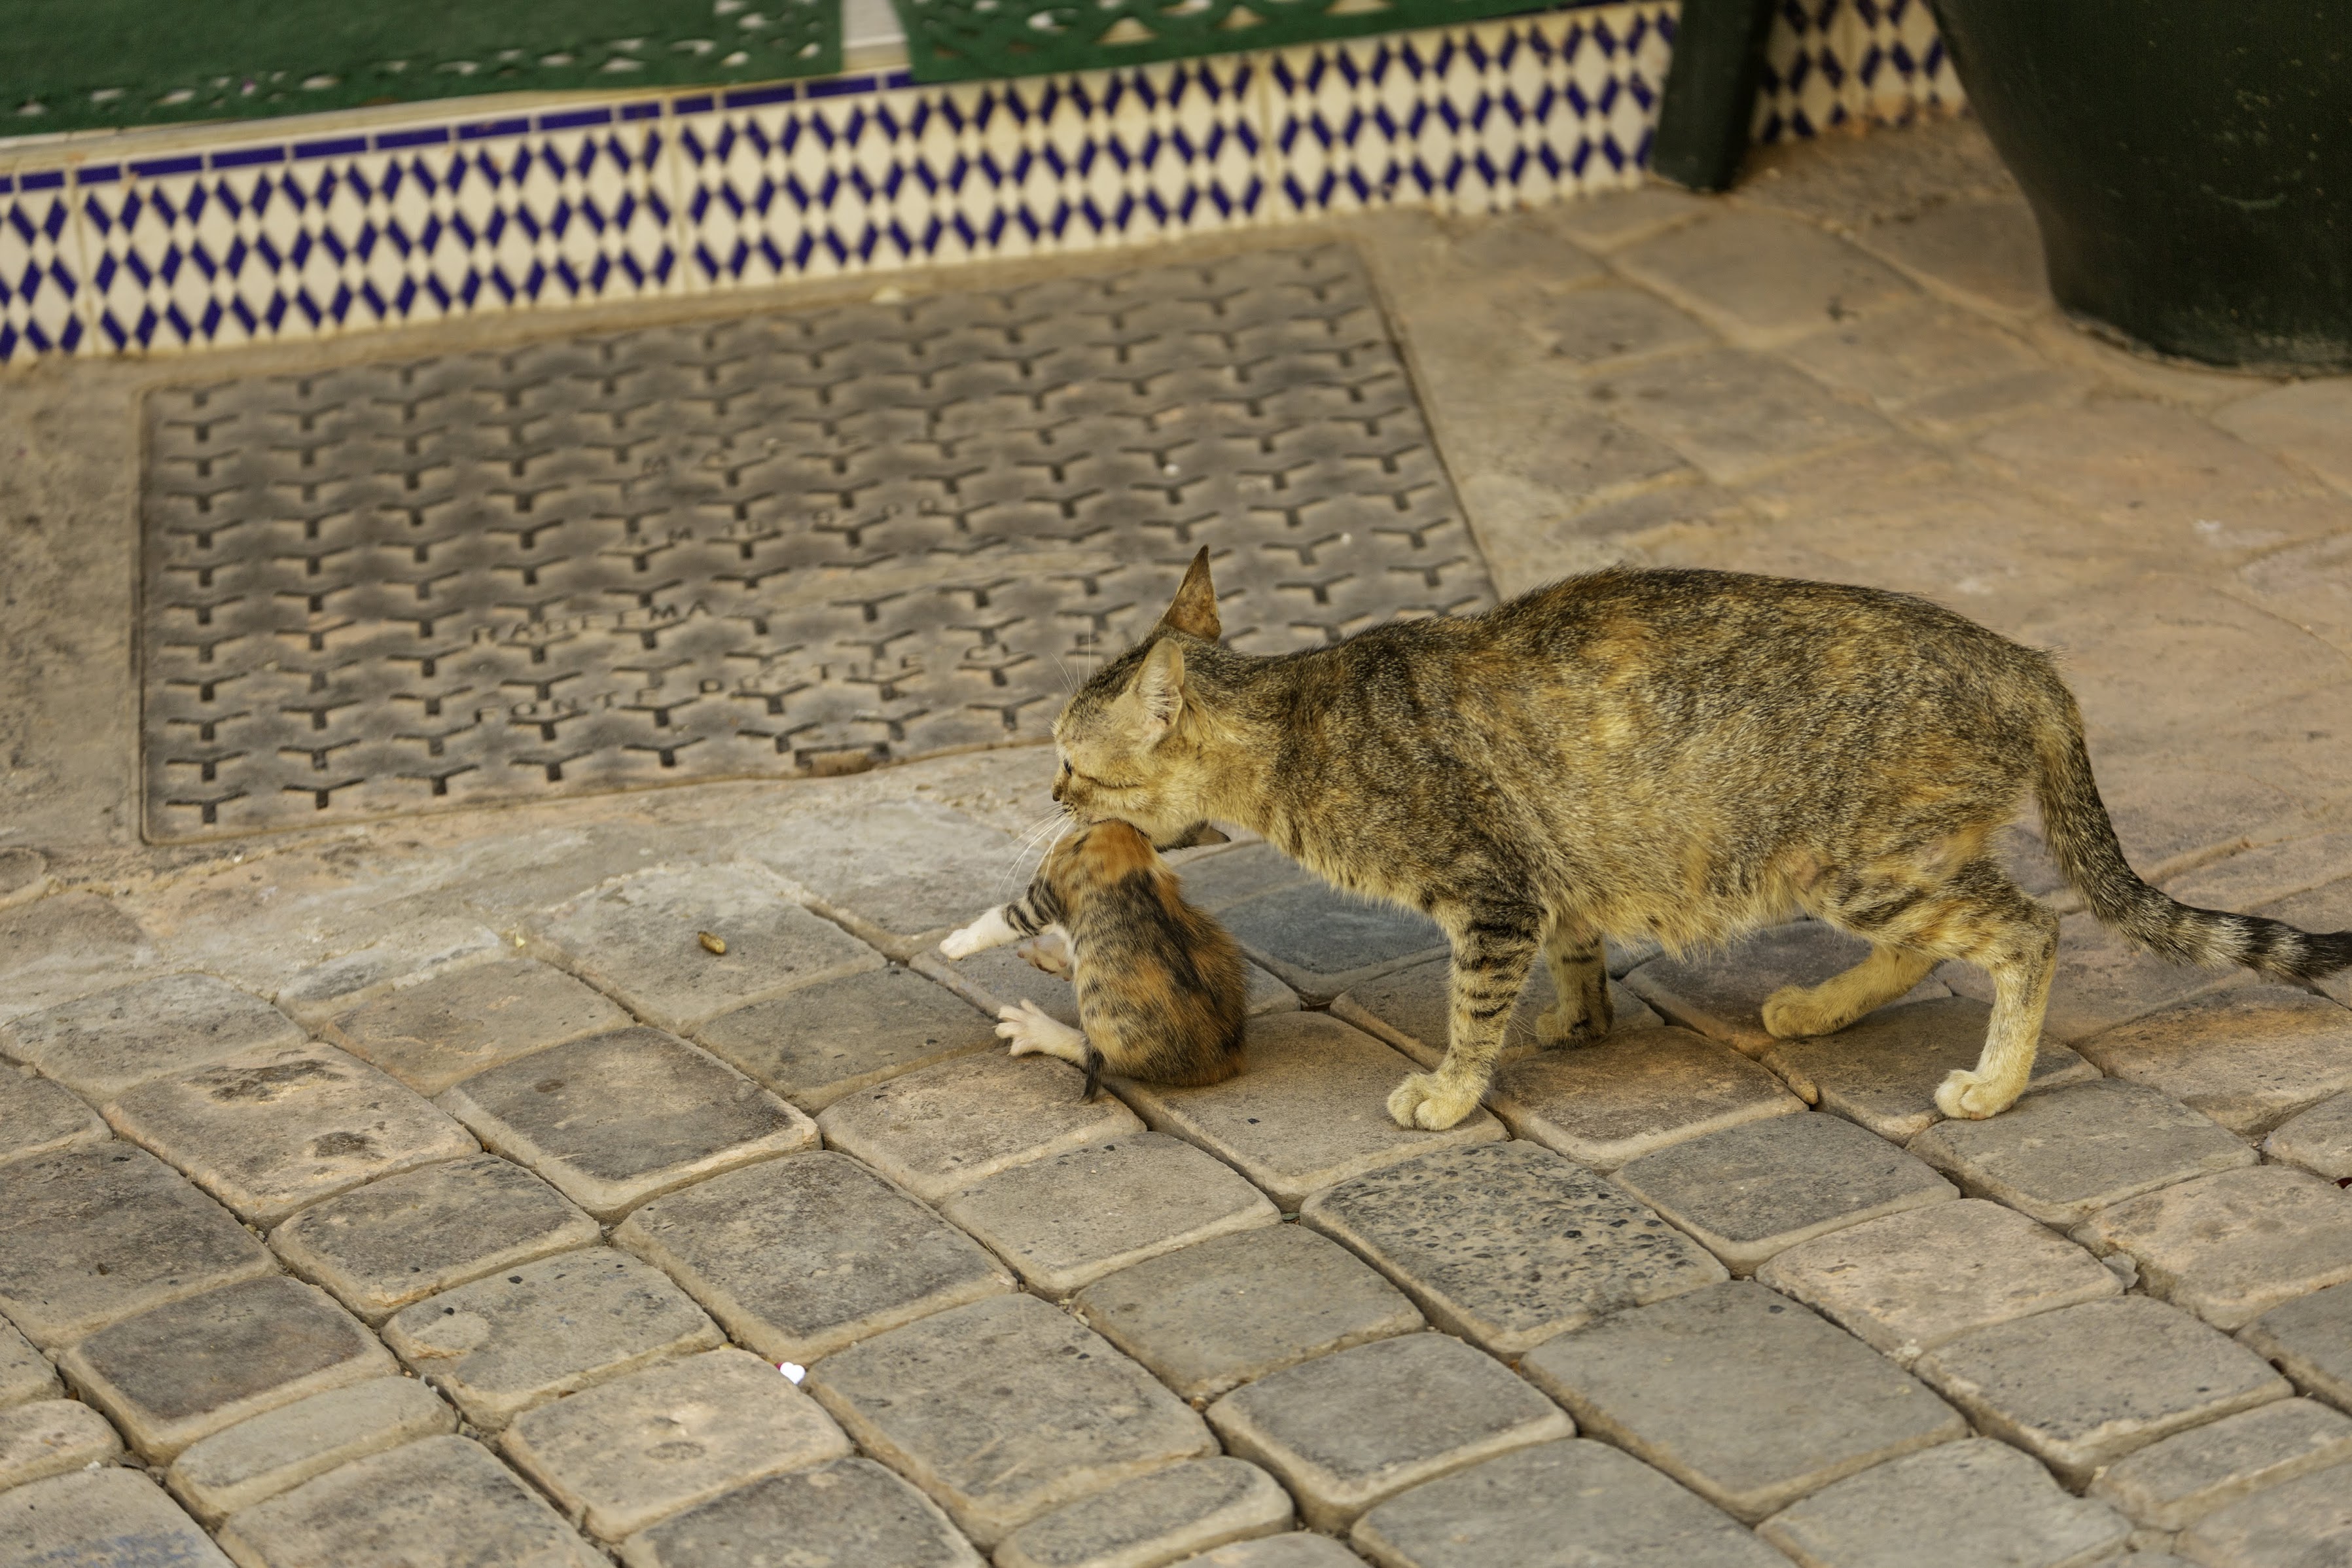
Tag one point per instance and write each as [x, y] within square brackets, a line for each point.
[1048, 951]
[1967, 1097]
[1030, 1028]
[1426, 1099]
[1792, 1013]
[962, 943]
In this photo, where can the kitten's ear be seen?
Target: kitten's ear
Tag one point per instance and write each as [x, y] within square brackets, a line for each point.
[1159, 689]
[1193, 610]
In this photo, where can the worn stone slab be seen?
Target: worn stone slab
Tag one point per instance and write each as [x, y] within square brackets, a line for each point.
[1556, 1505]
[25, 1372]
[1742, 1396]
[2320, 1140]
[636, 939]
[401, 1240]
[1298, 1549]
[500, 1345]
[414, 952]
[1320, 942]
[1310, 1109]
[902, 867]
[185, 1370]
[269, 1130]
[1509, 1244]
[1412, 1009]
[91, 1235]
[840, 1036]
[2231, 1245]
[2083, 1386]
[1219, 880]
[1005, 1410]
[1748, 1192]
[2304, 420]
[1909, 1282]
[1347, 1430]
[1883, 1071]
[946, 1127]
[102, 1044]
[1721, 995]
[1601, 328]
[616, 1119]
[803, 1256]
[2311, 1342]
[2249, 1058]
[38, 1117]
[1068, 1220]
[1634, 1093]
[51, 1437]
[105, 1518]
[1732, 413]
[1613, 219]
[256, 1459]
[443, 1030]
[1218, 1315]
[1972, 1504]
[1171, 1514]
[2303, 1523]
[1916, 355]
[1763, 279]
[2063, 1154]
[2172, 1483]
[630, 1453]
[442, 1500]
[852, 1513]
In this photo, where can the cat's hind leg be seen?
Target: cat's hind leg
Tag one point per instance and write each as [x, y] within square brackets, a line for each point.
[1797, 1010]
[1580, 981]
[1035, 1032]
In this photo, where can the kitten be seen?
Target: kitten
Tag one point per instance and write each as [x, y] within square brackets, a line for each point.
[1162, 992]
[1683, 755]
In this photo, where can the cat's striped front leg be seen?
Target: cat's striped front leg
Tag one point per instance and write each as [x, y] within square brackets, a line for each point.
[1492, 951]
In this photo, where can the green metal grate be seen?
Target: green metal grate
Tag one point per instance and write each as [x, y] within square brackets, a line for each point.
[958, 40]
[69, 64]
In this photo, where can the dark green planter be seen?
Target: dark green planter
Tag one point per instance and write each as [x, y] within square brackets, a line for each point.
[2190, 162]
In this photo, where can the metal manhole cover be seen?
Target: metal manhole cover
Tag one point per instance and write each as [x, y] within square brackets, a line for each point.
[803, 542]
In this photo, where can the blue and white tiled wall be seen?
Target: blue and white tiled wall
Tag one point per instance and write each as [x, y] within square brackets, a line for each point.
[261, 237]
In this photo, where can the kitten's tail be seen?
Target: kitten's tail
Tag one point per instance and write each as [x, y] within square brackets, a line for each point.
[2084, 842]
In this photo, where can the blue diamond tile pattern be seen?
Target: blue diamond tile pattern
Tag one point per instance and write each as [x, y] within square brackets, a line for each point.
[1830, 63]
[41, 272]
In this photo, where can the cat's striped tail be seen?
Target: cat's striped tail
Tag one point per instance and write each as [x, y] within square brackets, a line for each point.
[2082, 839]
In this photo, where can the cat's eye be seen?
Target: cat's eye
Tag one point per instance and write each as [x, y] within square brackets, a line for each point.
[1098, 783]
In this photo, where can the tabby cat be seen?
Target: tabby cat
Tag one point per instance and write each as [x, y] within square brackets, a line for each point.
[1682, 755]
[1162, 992]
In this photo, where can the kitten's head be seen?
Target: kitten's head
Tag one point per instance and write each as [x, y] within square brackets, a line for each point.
[1122, 744]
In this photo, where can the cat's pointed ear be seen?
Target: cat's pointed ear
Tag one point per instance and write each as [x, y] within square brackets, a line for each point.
[1159, 689]
[1193, 610]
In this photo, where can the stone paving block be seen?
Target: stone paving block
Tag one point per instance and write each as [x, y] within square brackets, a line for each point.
[2303, 421]
[102, 1044]
[1973, 1504]
[1763, 279]
[1003, 1410]
[1742, 1396]
[2063, 1154]
[105, 1518]
[2320, 1140]
[2172, 1483]
[2083, 1386]
[1556, 1505]
[630, 1453]
[38, 1117]
[2311, 1342]
[1909, 1282]
[1216, 881]
[803, 1256]
[2231, 1245]
[946, 1127]
[1984, 251]
[440, 1500]
[442, 1030]
[1883, 1071]
[51, 1437]
[1732, 413]
[1068, 1220]
[94, 1233]
[616, 1119]
[1320, 942]
[1634, 1093]
[1310, 1109]
[2249, 1058]
[1296, 1549]
[500, 1345]
[1509, 1244]
[1597, 329]
[1614, 220]
[65, 946]
[1411, 1009]
[185, 1370]
[401, 1240]
[1914, 354]
[852, 1513]
[1722, 996]
[636, 939]
[2303, 1523]
[1214, 1316]
[1154, 1521]
[1347, 1430]
[417, 951]
[1748, 1192]
[840, 1036]
[2102, 981]
[25, 1372]
[254, 1460]
[268, 1130]
[904, 866]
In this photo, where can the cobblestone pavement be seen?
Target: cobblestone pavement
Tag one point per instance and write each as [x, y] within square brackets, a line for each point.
[425, 1192]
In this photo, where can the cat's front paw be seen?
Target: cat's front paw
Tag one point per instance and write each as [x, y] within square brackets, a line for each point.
[963, 943]
[1427, 1100]
[1048, 951]
[1792, 1013]
[1967, 1097]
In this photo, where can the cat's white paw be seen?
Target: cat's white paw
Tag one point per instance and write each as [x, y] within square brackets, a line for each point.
[1792, 1013]
[962, 943]
[1030, 1027]
[1048, 951]
[1965, 1097]
[1427, 1100]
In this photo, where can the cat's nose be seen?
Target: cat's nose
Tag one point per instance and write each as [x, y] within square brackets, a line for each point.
[1057, 792]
